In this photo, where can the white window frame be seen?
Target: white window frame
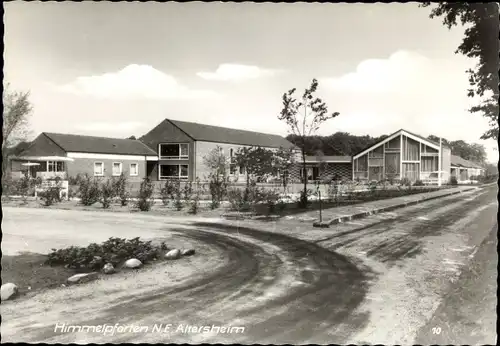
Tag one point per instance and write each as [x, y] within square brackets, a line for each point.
[180, 157]
[102, 169]
[232, 162]
[180, 177]
[136, 170]
[55, 166]
[113, 169]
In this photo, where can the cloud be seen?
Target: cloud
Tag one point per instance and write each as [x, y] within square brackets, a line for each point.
[134, 81]
[237, 72]
[407, 90]
[401, 70]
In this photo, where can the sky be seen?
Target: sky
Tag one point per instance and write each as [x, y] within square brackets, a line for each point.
[119, 69]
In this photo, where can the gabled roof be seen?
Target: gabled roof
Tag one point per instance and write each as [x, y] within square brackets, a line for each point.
[395, 134]
[460, 162]
[339, 159]
[209, 133]
[99, 145]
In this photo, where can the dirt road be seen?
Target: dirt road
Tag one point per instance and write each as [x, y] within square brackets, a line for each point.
[284, 282]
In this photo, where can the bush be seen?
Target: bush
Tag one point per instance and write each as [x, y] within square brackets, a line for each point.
[107, 193]
[405, 182]
[52, 195]
[178, 196]
[88, 190]
[218, 190]
[120, 189]
[453, 181]
[419, 183]
[270, 198]
[145, 198]
[76, 180]
[169, 191]
[187, 194]
[114, 251]
[195, 200]
[303, 201]
[25, 186]
[281, 205]
[236, 198]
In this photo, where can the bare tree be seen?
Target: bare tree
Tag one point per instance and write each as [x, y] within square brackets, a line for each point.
[17, 110]
[304, 117]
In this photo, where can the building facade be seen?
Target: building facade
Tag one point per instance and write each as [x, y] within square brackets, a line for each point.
[177, 150]
[402, 155]
[63, 155]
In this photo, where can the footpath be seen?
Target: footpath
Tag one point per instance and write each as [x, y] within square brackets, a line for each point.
[336, 215]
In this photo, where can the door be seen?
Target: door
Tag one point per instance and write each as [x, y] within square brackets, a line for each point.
[392, 165]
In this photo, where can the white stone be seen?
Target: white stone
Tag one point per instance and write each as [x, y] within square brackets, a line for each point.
[108, 268]
[132, 263]
[8, 290]
[81, 278]
[187, 252]
[173, 254]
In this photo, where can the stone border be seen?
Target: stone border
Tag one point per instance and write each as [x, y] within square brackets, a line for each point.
[334, 221]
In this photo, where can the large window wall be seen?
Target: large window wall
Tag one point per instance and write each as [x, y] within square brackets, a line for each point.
[401, 157]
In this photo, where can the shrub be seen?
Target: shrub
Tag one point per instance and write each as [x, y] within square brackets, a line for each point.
[218, 190]
[75, 180]
[195, 200]
[107, 193]
[333, 191]
[178, 204]
[187, 193]
[405, 182]
[25, 186]
[168, 191]
[237, 200]
[52, 195]
[88, 190]
[419, 183]
[145, 198]
[120, 189]
[304, 199]
[453, 180]
[281, 205]
[270, 198]
[114, 250]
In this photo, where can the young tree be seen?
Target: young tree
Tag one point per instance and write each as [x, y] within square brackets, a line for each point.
[480, 42]
[217, 163]
[257, 163]
[283, 160]
[17, 110]
[304, 117]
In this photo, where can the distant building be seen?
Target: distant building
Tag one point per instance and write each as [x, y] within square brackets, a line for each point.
[176, 149]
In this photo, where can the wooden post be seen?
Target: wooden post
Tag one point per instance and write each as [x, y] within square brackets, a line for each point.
[320, 213]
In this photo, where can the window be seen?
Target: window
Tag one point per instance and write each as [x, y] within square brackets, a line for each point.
[117, 168]
[134, 169]
[242, 170]
[173, 172]
[232, 162]
[98, 168]
[55, 166]
[174, 151]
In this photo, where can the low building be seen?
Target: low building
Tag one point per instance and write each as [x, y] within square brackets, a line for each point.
[181, 147]
[176, 150]
[66, 155]
[402, 155]
[464, 170]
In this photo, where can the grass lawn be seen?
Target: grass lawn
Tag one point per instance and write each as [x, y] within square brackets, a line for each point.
[30, 273]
